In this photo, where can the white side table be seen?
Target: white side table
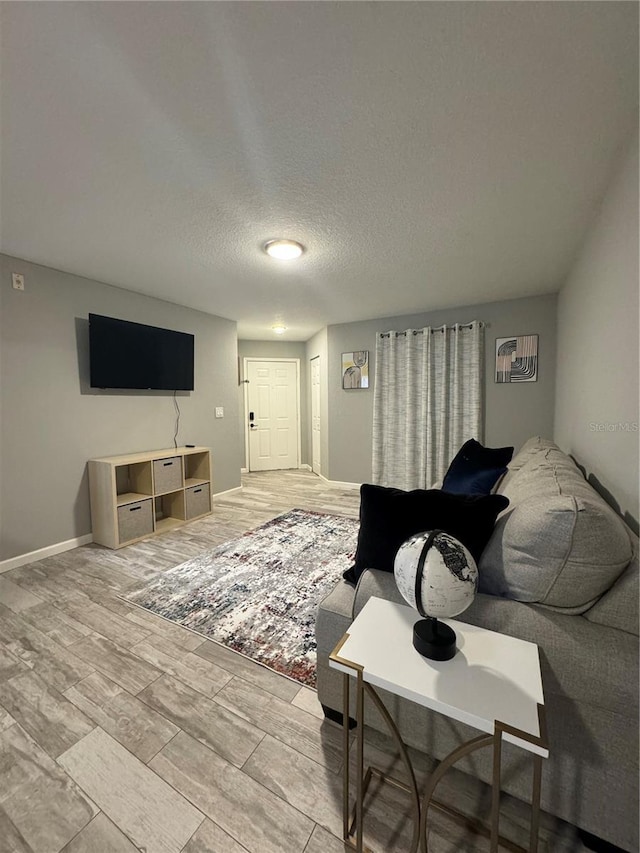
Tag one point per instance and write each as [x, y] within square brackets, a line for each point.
[492, 684]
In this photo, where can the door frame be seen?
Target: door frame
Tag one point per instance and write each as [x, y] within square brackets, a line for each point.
[245, 361]
[311, 360]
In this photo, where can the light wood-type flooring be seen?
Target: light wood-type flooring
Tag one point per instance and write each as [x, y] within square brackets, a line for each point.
[120, 731]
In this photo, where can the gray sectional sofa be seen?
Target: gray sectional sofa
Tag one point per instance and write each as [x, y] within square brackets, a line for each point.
[560, 570]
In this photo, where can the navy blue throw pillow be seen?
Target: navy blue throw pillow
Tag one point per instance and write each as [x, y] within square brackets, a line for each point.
[476, 469]
[388, 517]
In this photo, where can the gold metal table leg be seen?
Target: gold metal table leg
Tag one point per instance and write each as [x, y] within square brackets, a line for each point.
[535, 803]
[345, 756]
[413, 787]
[359, 759]
[438, 773]
[495, 790]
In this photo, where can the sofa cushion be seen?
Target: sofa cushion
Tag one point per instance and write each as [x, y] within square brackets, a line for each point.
[618, 607]
[573, 655]
[388, 517]
[529, 449]
[476, 469]
[559, 544]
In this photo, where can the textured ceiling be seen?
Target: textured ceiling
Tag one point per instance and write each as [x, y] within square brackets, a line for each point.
[427, 154]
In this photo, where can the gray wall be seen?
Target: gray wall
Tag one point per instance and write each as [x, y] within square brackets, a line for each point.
[317, 346]
[513, 412]
[276, 349]
[52, 422]
[597, 386]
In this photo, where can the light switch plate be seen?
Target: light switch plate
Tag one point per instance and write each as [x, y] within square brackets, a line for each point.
[219, 411]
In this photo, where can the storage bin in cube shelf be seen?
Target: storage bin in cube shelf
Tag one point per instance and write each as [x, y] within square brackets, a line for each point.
[167, 475]
[135, 520]
[198, 502]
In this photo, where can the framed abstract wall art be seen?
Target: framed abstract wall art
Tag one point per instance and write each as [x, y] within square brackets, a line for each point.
[517, 359]
[355, 370]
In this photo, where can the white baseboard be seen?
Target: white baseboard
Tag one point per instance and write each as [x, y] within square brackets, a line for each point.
[227, 492]
[303, 467]
[41, 553]
[339, 484]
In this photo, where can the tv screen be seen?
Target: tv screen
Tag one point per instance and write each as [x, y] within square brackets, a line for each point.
[132, 355]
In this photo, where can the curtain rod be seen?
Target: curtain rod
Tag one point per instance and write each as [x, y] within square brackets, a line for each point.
[455, 328]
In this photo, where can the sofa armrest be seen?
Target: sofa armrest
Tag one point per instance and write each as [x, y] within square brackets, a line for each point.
[374, 582]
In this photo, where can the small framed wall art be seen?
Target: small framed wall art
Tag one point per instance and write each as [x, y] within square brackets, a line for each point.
[355, 370]
[517, 359]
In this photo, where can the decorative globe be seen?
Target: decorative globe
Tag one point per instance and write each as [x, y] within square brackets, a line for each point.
[437, 575]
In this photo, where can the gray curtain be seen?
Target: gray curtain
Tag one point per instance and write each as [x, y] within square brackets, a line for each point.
[428, 401]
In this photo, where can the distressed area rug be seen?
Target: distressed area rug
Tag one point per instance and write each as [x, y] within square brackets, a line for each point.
[259, 594]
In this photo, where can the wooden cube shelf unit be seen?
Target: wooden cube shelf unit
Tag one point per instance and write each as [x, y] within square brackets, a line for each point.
[141, 494]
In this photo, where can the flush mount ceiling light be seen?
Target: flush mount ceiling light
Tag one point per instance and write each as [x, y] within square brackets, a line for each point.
[284, 250]
[279, 329]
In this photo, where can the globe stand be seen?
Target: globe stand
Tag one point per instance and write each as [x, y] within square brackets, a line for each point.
[433, 639]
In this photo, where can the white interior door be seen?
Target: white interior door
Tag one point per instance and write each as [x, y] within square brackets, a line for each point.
[272, 412]
[315, 414]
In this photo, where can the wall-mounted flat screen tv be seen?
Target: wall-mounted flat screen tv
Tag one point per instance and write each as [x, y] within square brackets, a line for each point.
[132, 355]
